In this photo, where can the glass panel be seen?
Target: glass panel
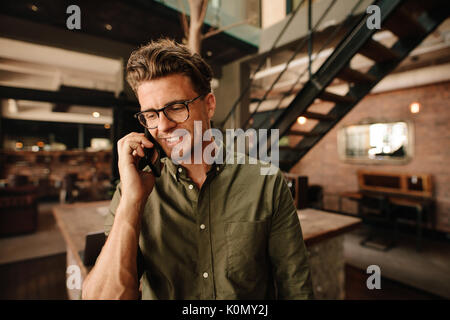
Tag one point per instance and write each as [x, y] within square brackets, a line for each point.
[376, 141]
[221, 14]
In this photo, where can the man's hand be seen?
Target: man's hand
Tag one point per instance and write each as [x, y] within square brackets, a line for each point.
[136, 185]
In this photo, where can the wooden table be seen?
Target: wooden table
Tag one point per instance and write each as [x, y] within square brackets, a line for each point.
[75, 221]
[318, 225]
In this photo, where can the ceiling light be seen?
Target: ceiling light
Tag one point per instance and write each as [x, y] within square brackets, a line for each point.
[301, 120]
[414, 107]
[95, 114]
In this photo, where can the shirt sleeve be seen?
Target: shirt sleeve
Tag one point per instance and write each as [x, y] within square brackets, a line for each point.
[287, 249]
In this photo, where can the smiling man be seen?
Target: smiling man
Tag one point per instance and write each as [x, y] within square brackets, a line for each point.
[199, 231]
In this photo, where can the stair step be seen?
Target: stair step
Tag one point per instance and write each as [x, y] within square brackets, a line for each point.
[282, 161]
[286, 165]
[294, 149]
[328, 96]
[318, 116]
[301, 133]
[403, 25]
[377, 52]
[418, 6]
[354, 76]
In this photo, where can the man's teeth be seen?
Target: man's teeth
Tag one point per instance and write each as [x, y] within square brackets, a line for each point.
[174, 139]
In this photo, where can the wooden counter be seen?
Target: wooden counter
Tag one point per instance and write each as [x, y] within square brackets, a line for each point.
[318, 225]
[322, 233]
[75, 221]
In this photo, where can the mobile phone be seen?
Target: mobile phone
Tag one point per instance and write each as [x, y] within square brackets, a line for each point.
[152, 156]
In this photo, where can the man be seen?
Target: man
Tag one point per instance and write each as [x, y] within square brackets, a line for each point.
[219, 231]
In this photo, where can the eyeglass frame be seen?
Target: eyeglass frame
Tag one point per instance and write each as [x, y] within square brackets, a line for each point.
[185, 102]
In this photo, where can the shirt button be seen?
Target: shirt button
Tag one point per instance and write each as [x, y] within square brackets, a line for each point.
[202, 226]
[180, 170]
[205, 275]
[191, 187]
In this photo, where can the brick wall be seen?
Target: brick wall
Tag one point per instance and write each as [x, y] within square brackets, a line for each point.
[431, 146]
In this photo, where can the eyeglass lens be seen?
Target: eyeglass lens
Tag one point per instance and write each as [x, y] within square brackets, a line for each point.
[176, 113]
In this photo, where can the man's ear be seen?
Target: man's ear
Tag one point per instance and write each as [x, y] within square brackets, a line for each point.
[210, 105]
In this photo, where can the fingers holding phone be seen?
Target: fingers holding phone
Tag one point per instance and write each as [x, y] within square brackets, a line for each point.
[152, 157]
[136, 184]
[131, 147]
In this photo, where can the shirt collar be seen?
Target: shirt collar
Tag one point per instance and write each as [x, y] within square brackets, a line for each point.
[178, 171]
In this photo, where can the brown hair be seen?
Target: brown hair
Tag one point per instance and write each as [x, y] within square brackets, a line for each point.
[165, 57]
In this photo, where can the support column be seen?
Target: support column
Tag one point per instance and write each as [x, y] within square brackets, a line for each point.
[115, 131]
[80, 136]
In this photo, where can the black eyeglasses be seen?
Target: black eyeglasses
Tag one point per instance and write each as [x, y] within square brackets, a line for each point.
[177, 112]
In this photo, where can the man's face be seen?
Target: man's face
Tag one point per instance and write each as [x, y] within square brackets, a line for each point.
[155, 94]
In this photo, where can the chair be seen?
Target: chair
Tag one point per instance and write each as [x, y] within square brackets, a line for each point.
[18, 210]
[374, 209]
[315, 197]
[68, 189]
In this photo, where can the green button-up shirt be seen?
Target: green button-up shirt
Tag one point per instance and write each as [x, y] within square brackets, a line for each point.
[238, 237]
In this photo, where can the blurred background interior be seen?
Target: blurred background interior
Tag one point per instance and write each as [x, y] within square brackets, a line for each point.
[363, 116]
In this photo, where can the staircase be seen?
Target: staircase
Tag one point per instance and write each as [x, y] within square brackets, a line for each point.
[409, 20]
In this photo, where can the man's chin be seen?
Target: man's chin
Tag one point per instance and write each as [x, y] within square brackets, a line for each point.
[179, 153]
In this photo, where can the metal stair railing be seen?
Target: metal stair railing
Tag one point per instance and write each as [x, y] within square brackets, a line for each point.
[299, 47]
[307, 69]
[261, 63]
[324, 76]
[358, 40]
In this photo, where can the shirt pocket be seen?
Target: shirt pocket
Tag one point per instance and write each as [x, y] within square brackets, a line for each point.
[246, 251]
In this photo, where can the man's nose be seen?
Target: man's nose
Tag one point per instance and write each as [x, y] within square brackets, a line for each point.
[165, 124]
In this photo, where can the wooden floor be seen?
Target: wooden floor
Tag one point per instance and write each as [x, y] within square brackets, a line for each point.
[34, 268]
[426, 270]
[44, 278]
[356, 288]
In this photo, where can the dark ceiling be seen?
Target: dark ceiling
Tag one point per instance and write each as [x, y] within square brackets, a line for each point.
[134, 22]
